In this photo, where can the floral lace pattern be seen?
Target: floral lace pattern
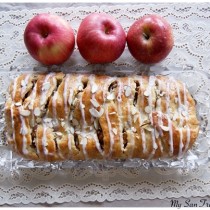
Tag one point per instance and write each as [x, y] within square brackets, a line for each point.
[55, 184]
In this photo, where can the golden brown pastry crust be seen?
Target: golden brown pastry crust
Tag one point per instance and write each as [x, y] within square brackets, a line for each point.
[59, 117]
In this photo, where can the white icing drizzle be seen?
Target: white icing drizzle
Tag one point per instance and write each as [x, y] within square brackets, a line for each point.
[33, 96]
[69, 142]
[180, 143]
[23, 89]
[111, 136]
[154, 145]
[70, 99]
[140, 117]
[13, 126]
[24, 132]
[119, 111]
[170, 136]
[150, 85]
[98, 146]
[188, 138]
[171, 151]
[44, 140]
[182, 118]
[14, 88]
[160, 120]
[130, 123]
[24, 148]
[65, 95]
[84, 144]
[143, 141]
[83, 113]
[91, 79]
[55, 96]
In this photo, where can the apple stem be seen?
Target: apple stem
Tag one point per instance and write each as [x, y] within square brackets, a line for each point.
[146, 36]
[45, 34]
[106, 30]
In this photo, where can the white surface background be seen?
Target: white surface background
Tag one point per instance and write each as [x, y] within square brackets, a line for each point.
[131, 203]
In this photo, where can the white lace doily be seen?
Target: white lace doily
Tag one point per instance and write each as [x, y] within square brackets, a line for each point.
[192, 40]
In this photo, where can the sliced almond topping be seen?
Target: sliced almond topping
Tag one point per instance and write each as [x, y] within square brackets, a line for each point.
[47, 120]
[96, 124]
[156, 134]
[80, 88]
[45, 86]
[25, 113]
[37, 112]
[162, 93]
[94, 88]
[165, 128]
[148, 109]
[133, 129]
[127, 91]
[110, 96]
[95, 113]
[135, 118]
[101, 111]
[23, 131]
[184, 113]
[148, 128]
[155, 146]
[42, 101]
[30, 106]
[71, 130]
[18, 104]
[75, 122]
[58, 133]
[94, 102]
[82, 106]
[133, 110]
[50, 124]
[176, 100]
[114, 131]
[146, 93]
[26, 104]
[112, 113]
[23, 83]
[62, 124]
[38, 119]
[157, 92]
[71, 116]
[74, 102]
[175, 116]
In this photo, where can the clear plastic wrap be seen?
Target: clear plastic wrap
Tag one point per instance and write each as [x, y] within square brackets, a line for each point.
[197, 82]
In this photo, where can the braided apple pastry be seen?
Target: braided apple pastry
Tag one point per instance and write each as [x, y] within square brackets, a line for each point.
[59, 117]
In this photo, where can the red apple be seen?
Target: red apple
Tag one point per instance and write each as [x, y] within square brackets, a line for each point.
[150, 39]
[100, 38]
[49, 39]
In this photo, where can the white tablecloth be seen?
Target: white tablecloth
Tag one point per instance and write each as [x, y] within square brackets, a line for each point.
[192, 44]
